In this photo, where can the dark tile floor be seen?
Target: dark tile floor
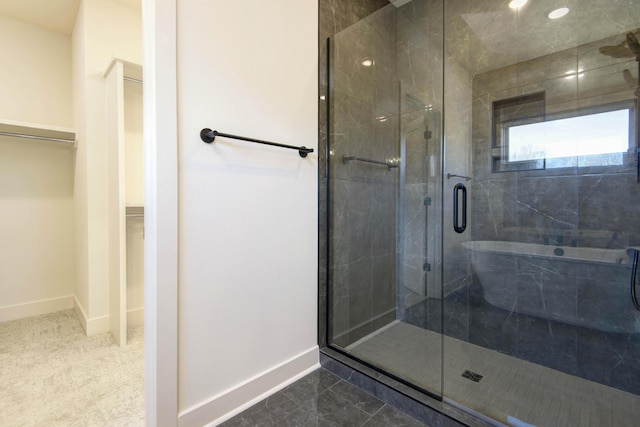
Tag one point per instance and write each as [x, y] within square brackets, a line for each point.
[322, 399]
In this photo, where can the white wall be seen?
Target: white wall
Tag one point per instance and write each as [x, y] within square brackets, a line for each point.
[104, 29]
[80, 189]
[54, 79]
[247, 213]
[161, 213]
[35, 74]
[36, 178]
[36, 231]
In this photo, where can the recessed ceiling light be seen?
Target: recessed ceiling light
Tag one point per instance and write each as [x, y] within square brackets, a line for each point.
[517, 4]
[367, 62]
[558, 13]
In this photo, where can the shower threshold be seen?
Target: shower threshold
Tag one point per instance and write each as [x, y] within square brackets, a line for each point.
[509, 391]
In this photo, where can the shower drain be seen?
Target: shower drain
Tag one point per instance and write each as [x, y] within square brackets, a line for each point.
[472, 376]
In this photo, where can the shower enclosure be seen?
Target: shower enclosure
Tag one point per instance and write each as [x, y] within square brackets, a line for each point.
[482, 193]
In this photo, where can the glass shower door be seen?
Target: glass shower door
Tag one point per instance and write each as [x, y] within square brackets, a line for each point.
[541, 131]
[490, 260]
[384, 168]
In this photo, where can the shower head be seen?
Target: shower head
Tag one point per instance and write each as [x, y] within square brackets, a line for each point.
[628, 47]
[633, 45]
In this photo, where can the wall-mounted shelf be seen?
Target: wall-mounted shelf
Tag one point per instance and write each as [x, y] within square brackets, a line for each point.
[131, 72]
[134, 211]
[24, 130]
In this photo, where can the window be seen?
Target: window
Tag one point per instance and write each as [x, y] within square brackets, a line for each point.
[513, 112]
[598, 139]
[589, 137]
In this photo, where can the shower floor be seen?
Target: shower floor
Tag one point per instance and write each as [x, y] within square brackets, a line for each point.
[510, 389]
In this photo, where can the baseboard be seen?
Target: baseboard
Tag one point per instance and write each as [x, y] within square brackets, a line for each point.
[231, 402]
[91, 326]
[135, 317]
[35, 308]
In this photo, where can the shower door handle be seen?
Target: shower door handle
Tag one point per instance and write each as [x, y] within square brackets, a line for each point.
[456, 191]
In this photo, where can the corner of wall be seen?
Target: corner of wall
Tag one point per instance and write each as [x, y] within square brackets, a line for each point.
[231, 402]
[91, 325]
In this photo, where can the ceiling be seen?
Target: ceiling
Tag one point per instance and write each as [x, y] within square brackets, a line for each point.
[493, 31]
[55, 15]
[488, 27]
[483, 35]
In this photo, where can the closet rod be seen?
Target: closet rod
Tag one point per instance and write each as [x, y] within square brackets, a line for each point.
[132, 80]
[44, 138]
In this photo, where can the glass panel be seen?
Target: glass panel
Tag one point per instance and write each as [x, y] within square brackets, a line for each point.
[385, 102]
[541, 114]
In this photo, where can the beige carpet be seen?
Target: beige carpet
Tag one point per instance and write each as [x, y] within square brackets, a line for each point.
[51, 374]
[511, 390]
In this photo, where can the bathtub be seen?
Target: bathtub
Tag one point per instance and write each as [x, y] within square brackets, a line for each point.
[587, 287]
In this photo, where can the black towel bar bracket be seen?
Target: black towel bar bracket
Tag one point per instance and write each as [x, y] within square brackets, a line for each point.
[207, 135]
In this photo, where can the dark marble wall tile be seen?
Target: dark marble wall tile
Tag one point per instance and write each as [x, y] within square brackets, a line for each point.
[383, 283]
[603, 348]
[547, 67]
[550, 202]
[419, 51]
[338, 297]
[336, 15]
[606, 304]
[630, 211]
[495, 81]
[420, 72]
[362, 213]
[383, 220]
[558, 340]
[610, 359]
[546, 293]
[360, 297]
[456, 320]
[493, 328]
[365, 116]
[495, 205]
[605, 196]
[359, 220]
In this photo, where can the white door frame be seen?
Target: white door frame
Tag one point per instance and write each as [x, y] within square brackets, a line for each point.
[161, 212]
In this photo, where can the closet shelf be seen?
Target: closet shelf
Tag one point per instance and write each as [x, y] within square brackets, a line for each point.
[132, 71]
[134, 211]
[16, 129]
